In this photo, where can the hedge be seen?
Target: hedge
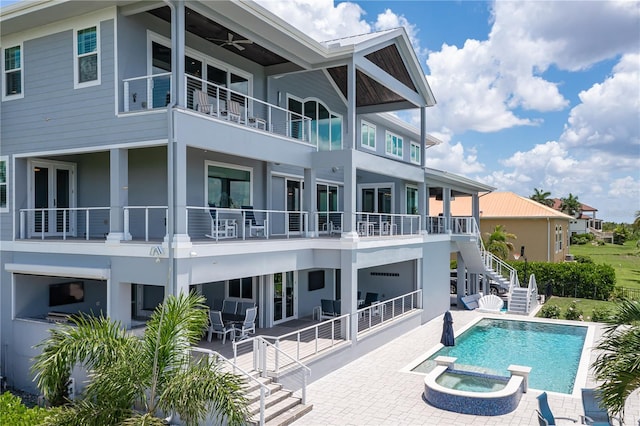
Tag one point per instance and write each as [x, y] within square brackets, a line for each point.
[570, 279]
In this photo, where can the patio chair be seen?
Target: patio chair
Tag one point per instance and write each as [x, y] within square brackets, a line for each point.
[254, 224]
[229, 307]
[335, 223]
[336, 308]
[544, 412]
[369, 298]
[248, 325]
[490, 303]
[243, 307]
[326, 309]
[217, 327]
[594, 413]
[205, 104]
[233, 112]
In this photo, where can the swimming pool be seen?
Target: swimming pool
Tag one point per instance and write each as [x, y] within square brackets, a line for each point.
[553, 351]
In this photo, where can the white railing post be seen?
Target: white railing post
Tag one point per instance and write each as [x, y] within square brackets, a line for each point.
[23, 224]
[126, 96]
[146, 223]
[149, 81]
[86, 225]
[126, 222]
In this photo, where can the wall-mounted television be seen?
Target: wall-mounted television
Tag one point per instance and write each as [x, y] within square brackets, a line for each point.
[316, 280]
[66, 293]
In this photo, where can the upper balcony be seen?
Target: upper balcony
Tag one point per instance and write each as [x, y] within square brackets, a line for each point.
[152, 92]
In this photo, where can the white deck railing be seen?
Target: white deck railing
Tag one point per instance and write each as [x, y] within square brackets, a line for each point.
[371, 224]
[146, 92]
[380, 313]
[141, 217]
[69, 222]
[252, 112]
[455, 225]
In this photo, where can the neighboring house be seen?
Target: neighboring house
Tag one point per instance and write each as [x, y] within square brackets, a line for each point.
[154, 148]
[543, 231]
[585, 222]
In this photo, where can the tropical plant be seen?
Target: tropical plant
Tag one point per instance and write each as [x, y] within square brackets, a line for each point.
[550, 311]
[136, 380]
[574, 313]
[618, 367]
[541, 196]
[14, 412]
[570, 205]
[636, 221]
[497, 243]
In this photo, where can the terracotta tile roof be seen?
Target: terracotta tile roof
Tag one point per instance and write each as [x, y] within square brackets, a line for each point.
[498, 204]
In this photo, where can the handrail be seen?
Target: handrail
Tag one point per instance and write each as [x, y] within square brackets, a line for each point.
[146, 102]
[296, 126]
[380, 308]
[387, 223]
[66, 214]
[264, 390]
[127, 234]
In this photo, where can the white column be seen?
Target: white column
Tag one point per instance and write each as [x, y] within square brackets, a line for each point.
[118, 193]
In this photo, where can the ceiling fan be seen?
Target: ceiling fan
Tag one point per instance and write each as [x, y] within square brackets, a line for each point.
[238, 44]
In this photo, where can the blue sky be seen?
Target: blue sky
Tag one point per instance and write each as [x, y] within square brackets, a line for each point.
[531, 94]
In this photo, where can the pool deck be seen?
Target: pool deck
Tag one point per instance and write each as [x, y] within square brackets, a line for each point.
[373, 390]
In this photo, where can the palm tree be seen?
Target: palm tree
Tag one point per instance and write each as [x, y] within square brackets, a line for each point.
[570, 205]
[138, 381]
[497, 243]
[636, 221]
[541, 196]
[618, 367]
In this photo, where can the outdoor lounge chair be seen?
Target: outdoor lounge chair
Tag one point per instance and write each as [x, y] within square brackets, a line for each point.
[545, 416]
[216, 326]
[490, 303]
[248, 325]
[369, 298]
[203, 103]
[594, 413]
[326, 309]
[470, 302]
[254, 224]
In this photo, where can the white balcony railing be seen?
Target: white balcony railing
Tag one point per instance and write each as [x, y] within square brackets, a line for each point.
[146, 92]
[380, 313]
[77, 223]
[455, 225]
[371, 224]
[236, 107]
[145, 222]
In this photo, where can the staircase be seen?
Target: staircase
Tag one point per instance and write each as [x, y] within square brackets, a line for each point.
[522, 300]
[281, 407]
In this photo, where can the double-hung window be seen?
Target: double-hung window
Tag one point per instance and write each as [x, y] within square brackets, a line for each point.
[87, 57]
[415, 153]
[12, 70]
[241, 288]
[394, 145]
[368, 135]
[4, 206]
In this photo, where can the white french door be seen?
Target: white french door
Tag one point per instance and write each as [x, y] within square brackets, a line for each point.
[285, 296]
[52, 188]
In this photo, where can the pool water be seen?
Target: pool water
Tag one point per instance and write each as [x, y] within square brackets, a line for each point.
[470, 382]
[551, 350]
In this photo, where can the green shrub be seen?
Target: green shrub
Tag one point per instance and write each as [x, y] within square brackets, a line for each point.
[574, 313]
[550, 311]
[14, 412]
[582, 258]
[571, 279]
[600, 314]
[579, 239]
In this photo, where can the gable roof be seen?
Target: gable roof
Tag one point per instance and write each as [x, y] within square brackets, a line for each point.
[499, 205]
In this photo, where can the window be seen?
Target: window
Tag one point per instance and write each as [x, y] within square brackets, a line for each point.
[394, 145]
[325, 128]
[415, 153]
[368, 135]
[3, 184]
[559, 238]
[241, 288]
[87, 61]
[412, 200]
[12, 72]
[228, 186]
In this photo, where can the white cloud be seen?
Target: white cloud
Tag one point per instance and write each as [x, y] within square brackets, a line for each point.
[607, 117]
[453, 158]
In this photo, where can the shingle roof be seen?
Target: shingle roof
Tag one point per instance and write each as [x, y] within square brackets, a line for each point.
[499, 204]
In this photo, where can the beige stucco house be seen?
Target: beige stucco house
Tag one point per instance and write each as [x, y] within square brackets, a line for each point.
[543, 231]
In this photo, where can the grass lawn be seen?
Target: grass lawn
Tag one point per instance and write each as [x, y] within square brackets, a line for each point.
[625, 259]
[586, 305]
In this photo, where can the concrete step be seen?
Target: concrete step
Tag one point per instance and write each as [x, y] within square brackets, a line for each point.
[283, 410]
[270, 401]
[254, 394]
[290, 416]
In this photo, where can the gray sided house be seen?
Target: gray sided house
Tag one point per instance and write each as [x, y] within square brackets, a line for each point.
[151, 148]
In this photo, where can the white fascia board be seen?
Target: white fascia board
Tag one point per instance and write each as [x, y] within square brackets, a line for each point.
[59, 271]
[454, 181]
[387, 80]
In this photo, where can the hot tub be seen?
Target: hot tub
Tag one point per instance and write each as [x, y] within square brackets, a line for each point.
[474, 393]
